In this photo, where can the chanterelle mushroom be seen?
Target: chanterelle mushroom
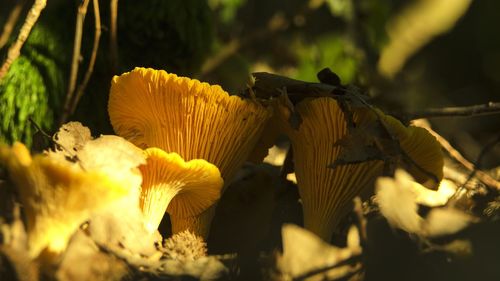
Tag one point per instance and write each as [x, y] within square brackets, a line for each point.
[326, 192]
[153, 108]
[184, 189]
[57, 196]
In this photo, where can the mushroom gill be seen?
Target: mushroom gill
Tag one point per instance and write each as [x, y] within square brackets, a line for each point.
[327, 192]
[152, 108]
[184, 189]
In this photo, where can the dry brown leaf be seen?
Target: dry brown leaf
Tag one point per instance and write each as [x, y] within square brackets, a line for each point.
[84, 261]
[121, 225]
[398, 197]
[71, 137]
[304, 252]
[397, 202]
[114, 156]
[445, 221]
[434, 198]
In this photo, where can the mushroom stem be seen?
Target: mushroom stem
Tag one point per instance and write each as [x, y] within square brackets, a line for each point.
[197, 224]
[154, 202]
[323, 226]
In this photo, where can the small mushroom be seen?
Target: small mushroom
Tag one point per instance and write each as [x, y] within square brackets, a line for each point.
[57, 196]
[152, 108]
[327, 192]
[184, 189]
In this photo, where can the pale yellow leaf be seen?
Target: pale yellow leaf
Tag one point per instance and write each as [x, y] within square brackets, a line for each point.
[397, 202]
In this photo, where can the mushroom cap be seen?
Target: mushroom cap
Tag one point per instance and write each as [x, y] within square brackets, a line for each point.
[326, 192]
[56, 195]
[426, 152]
[183, 189]
[153, 108]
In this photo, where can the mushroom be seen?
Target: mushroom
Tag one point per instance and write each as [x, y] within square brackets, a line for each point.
[57, 196]
[152, 108]
[326, 192]
[184, 189]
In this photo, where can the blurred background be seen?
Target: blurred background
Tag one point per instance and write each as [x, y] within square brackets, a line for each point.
[408, 55]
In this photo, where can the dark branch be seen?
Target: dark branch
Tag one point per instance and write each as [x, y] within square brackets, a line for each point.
[461, 111]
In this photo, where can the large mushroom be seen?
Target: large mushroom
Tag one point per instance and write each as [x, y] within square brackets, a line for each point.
[57, 196]
[326, 192]
[184, 189]
[153, 108]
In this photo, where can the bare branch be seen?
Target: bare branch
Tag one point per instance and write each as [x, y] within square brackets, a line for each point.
[358, 210]
[15, 49]
[482, 176]
[82, 11]
[463, 111]
[275, 24]
[11, 22]
[113, 45]
[90, 69]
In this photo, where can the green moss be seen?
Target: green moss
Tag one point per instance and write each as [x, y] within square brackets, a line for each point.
[32, 88]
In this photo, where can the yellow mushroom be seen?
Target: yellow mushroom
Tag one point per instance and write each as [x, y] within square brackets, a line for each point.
[57, 196]
[153, 108]
[184, 189]
[326, 192]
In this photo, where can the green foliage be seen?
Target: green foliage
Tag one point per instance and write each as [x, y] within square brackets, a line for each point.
[331, 51]
[228, 8]
[32, 88]
[172, 35]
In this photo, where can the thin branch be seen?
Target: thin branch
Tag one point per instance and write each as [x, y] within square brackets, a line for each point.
[483, 152]
[482, 176]
[15, 49]
[276, 23]
[90, 69]
[358, 210]
[113, 45]
[463, 111]
[11, 22]
[353, 261]
[82, 11]
[39, 129]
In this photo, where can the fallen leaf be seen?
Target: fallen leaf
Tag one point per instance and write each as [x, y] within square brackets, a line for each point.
[397, 199]
[445, 221]
[397, 202]
[70, 138]
[434, 198]
[115, 157]
[304, 253]
[83, 260]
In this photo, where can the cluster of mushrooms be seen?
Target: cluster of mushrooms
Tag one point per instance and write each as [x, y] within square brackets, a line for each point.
[184, 141]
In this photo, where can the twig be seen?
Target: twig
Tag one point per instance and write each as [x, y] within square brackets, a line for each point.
[353, 261]
[37, 127]
[485, 149]
[275, 24]
[82, 11]
[113, 45]
[90, 69]
[482, 176]
[463, 111]
[358, 210]
[11, 22]
[15, 49]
